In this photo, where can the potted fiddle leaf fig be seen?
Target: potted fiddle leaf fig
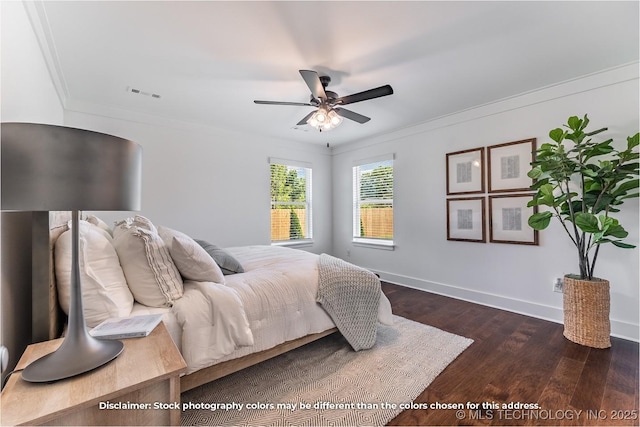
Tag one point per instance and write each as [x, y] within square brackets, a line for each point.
[583, 180]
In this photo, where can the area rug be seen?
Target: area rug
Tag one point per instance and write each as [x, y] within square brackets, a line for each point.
[327, 383]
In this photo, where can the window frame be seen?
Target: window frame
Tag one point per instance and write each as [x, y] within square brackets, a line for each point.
[357, 240]
[307, 204]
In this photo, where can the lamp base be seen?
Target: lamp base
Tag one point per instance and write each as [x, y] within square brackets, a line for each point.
[72, 358]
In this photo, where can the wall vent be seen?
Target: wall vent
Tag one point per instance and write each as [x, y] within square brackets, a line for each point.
[142, 92]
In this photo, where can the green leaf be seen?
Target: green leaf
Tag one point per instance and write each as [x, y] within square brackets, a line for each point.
[577, 136]
[628, 196]
[545, 195]
[626, 186]
[604, 201]
[607, 221]
[633, 141]
[587, 222]
[631, 168]
[562, 198]
[557, 134]
[539, 183]
[547, 146]
[574, 123]
[576, 206]
[601, 241]
[592, 186]
[598, 149]
[616, 231]
[622, 244]
[535, 173]
[595, 132]
[540, 220]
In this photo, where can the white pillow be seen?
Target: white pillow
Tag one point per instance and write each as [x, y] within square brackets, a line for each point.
[92, 219]
[151, 274]
[193, 262]
[104, 288]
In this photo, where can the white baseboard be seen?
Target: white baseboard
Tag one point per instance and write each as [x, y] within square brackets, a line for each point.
[620, 329]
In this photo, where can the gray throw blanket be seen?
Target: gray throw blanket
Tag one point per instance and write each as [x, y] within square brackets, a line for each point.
[350, 295]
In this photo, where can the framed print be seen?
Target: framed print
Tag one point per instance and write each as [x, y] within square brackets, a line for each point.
[465, 171]
[466, 220]
[508, 216]
[508, 165]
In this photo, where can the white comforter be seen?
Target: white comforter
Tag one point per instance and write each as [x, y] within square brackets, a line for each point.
[213, 322]
[272, 302]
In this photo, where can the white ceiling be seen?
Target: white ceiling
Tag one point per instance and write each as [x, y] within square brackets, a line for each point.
[208, 60]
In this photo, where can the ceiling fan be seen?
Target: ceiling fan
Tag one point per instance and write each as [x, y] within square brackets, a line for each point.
[329, 111]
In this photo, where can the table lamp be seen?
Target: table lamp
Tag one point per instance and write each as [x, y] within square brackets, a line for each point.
[57, 168]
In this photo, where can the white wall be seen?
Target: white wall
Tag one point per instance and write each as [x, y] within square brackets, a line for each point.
[213, 184]
[28, 94]
[514, 277]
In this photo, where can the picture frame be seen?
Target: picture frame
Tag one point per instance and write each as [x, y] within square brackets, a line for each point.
[465, 171]
[508, 165]
[508, 216]
[466, 219]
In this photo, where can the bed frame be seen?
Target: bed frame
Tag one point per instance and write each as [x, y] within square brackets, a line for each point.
[55, 223]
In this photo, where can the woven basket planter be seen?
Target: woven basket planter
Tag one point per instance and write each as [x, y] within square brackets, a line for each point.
[586, 312]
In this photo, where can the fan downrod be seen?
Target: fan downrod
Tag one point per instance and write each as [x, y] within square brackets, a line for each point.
[331, 96]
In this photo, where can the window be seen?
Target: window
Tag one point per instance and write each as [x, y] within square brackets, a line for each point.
[373, 201]
[291, 219]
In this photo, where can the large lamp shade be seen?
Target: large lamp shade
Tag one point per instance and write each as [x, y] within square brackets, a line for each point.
[57, 168]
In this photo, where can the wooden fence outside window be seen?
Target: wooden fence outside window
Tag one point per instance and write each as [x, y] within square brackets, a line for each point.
[376, 222]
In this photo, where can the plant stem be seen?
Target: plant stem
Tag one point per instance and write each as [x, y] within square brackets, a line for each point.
[564, 225]
[593, 263]
[579, 237]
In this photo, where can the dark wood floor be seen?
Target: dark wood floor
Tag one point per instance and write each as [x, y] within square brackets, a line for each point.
[515, 358]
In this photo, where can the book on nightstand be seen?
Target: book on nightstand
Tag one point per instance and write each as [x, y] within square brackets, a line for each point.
[126, 327]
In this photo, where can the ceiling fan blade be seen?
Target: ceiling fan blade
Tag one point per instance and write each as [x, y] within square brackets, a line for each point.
[348, 114]
[307, 117]
[367, 94]
[305, 104]
[312, 80]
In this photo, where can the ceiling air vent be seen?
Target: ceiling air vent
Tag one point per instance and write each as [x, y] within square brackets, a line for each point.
[142, 92]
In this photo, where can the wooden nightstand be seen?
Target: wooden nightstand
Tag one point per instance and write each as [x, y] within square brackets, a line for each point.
[146, 374]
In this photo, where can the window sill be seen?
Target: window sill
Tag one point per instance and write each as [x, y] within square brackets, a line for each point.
[294, 243]
[387, 245]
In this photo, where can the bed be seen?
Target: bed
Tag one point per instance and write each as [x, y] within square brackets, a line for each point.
[280, 298]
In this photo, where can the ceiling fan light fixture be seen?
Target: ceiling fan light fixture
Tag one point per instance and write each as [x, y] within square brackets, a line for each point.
[324, 119]
[321, 115]
[335, 118]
